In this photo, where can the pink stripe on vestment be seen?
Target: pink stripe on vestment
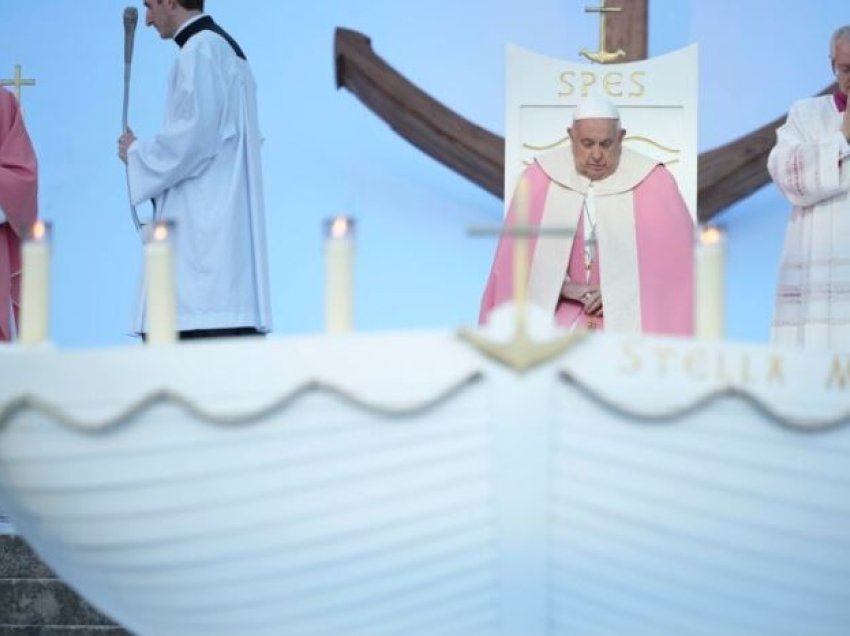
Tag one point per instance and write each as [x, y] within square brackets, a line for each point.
[500, 284]
[665, 236]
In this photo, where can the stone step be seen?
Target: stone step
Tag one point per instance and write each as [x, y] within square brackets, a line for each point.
[45, 602]
[34, 602]
[18, 561]
[42, 630]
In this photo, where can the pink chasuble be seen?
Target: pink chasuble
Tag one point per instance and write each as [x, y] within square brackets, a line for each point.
[18, 200]
[664, 247]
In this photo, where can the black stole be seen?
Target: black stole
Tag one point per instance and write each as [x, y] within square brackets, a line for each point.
[206, 24]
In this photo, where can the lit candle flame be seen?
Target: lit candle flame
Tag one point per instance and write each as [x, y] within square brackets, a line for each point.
[39, 231]
[340, 227]
[710, 235]
[160, 232]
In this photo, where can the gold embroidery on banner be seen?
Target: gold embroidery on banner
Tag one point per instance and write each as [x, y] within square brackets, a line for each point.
[555, 144]
[651, 142]
[631, 140]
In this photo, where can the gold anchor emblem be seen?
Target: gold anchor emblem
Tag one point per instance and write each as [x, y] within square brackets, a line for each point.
[602, 56]
[521, 352]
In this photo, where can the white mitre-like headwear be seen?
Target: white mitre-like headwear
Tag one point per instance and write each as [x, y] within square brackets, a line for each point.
[594, 106]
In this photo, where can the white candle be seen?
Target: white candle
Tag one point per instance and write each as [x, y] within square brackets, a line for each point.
[161, 288]
[35, 285]
[709, 284]
[339, 275]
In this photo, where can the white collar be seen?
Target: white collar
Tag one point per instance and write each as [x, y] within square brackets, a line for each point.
[187, 23]
[559, 166]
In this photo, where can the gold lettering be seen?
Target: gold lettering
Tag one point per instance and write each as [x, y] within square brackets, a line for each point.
[837, 374]
[664, 354]
[567, 80]
[587, 80]
[695, 364]
[701, 365]
[776, 374]
[633, 357]
[641, 89]
[611, 81]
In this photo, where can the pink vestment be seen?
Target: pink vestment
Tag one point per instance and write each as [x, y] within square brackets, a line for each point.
[18, 200]
[662, 242]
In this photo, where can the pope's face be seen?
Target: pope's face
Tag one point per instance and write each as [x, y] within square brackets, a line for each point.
[596, 145]
[841, 65]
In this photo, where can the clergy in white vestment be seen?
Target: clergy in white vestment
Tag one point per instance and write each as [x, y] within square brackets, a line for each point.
[811, 165]
[202, 170]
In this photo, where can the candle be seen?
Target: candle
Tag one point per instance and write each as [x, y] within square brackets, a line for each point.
[161, 288]
[35, 284]
[709, 283]
[339, 274]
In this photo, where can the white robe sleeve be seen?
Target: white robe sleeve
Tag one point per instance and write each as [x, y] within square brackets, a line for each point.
[189, 137]
[843, 146]
[806, 164]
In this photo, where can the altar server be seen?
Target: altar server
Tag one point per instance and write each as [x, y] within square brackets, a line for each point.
[18, 206]
[202, 170]
[811, 165]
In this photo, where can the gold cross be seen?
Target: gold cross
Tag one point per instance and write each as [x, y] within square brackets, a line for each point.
[602, 56]
[17, 82]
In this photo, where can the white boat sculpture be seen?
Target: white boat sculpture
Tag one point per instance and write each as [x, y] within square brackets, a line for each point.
[403, 483]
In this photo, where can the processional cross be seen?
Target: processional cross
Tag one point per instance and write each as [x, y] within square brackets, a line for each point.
[17, 81]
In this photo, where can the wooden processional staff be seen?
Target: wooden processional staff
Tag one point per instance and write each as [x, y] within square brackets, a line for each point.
[131, 19]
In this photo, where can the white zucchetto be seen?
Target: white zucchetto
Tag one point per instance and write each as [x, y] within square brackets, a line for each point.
[595, 106]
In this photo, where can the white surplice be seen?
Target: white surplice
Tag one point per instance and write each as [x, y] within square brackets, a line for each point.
[811, 165]
[203, 170]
